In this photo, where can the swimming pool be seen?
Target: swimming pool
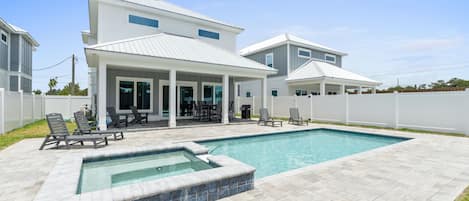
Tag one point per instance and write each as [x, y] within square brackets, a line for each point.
[276, 153]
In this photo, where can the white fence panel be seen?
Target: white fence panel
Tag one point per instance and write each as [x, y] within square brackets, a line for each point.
[329, 108]
[66, 105]
[372, 109]
[243, 101]
[38, 107]
[257, 105]
[28, 109]
[446, 112]
[282, 104]
[12, 110]
[304, 106]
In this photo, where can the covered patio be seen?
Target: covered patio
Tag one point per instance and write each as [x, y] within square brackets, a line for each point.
[322, 78]
[168, 77]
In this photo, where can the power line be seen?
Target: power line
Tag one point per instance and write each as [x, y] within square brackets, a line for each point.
[53, 66]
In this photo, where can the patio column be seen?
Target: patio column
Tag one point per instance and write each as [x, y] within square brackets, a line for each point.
[226, 98]
[264, 92]
[373, 90]
[102, 93]
[360, 89]
[172, 99]
[322, 88]
[342, 89]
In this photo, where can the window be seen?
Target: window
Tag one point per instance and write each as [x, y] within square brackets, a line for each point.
[330, 58]
[274, 92]
[143, 21]
[239, 90]
[301, 92]
[269, 60]
[304, 53]
[209, 34]
[248, 94]
[4, 38]
[134, 92]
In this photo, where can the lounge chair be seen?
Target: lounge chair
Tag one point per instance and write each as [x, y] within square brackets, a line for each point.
[138, 117]
[84, 128]
[295, 117]
[266, 119]
[116, 120]
[59, 133]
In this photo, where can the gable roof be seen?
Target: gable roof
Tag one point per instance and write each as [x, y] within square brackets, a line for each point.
[284, 39]
[16, 30]
[178, 48]
[166, 6]
[313, 69]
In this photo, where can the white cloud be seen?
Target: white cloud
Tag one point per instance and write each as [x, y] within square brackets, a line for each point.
[431, 44]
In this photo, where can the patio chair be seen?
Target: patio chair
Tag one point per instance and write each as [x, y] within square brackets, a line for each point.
[266, 119]
[116, 120]
[138, 117]
[59, 133]
[295, 117]
[84, 128]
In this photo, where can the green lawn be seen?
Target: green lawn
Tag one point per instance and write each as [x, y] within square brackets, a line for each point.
[464, 196]
[34, 130]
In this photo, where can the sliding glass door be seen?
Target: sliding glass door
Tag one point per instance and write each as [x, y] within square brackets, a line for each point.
[186, 95]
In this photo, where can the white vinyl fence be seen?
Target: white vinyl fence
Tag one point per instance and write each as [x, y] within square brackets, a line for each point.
[18, 109]
[433, 111]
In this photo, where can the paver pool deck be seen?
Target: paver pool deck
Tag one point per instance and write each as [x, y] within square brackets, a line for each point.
[428, 167]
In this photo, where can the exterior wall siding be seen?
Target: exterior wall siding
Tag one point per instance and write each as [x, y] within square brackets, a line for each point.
[280, 59]
[14, 52]
[156, 77]
[3, 55]
[297, 61]
[254, 86]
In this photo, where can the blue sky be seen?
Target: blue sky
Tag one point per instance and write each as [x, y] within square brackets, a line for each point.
[413, 41]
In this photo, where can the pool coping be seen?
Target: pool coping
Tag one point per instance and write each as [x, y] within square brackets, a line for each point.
[63, 180]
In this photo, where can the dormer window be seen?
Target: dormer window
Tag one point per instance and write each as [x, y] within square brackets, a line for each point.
[269, 60]
[304, 53]
[4, 38]
[330, 58]
[143, 21]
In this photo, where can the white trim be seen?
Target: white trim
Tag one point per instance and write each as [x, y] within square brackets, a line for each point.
[304, 50]
[265, 59]
[330, 55]
[6, 35]
[288, 58]
[162, 83]
[214, 85]
[135, 80]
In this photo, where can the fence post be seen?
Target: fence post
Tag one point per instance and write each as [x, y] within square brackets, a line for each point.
[347, 108]
[396, 109]
[272, 105]
[70, 112]
[253, 105]
[2, 110]
[21, 108]
[311, 108]
[467, 109]
[34, 107]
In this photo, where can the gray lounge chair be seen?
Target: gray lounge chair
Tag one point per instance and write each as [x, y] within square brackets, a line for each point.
[266, 119]
[59, 133]
[138, 117]
[84, 128]
[295, 117]
[116, 120]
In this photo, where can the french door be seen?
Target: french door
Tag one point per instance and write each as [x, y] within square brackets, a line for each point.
[186, 95]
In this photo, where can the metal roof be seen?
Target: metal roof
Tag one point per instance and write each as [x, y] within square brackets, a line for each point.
[318, 69]
[166, 6]
[14, 29]
[179, 48]
[283, 39]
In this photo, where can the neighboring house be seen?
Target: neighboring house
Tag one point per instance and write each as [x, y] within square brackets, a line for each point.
[160, 58]
[304, 68]
[16, 56]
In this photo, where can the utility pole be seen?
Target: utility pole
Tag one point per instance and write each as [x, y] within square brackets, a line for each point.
[72, 90]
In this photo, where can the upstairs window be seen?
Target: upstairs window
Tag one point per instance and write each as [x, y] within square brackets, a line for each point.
[269, 60]
[209, 34]
[304, 53]
[248, 94]
[143, 21]
[4, 38]
[274, 92]
[330, 58]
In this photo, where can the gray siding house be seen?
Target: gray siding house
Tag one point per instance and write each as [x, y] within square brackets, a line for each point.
[304, 68]
[16, 56]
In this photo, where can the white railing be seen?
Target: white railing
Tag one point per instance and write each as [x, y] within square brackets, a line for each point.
[18, 109]
[433, 111]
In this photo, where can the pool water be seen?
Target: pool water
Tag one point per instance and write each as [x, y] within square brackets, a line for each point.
[276, 153]
[98, 175]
